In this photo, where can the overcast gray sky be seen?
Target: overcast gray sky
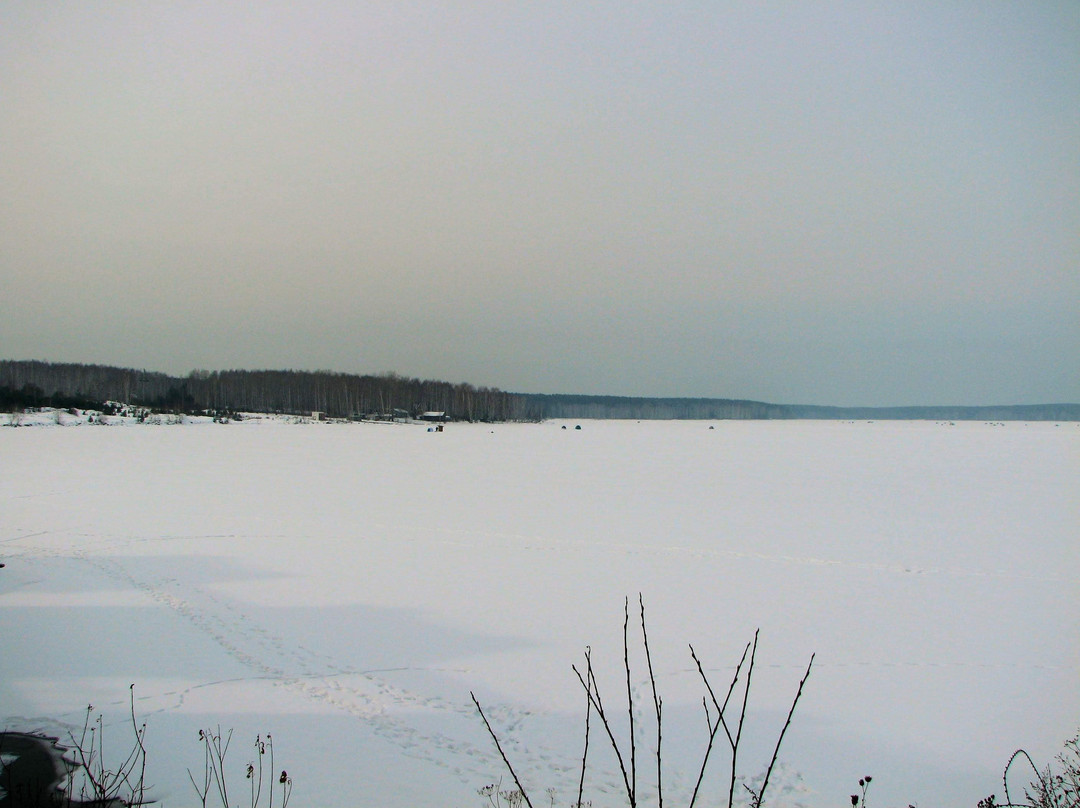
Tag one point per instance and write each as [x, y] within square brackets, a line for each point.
[841, 203]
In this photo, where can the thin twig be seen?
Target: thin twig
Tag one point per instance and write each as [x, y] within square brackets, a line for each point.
[270, 743]
[140, 735]
[256, 789]
[657, 705]
[742, 718]
[1005, 774]
[629, 702]
[498, 746]
[86, 761]
[217, 761]
[206, 772]
[594, 694]
[720, 708]
[776, 752]
[102, 774]
[708, 750]
[588, 715]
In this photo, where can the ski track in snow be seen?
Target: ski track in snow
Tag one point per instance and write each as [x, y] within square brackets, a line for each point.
[359, 693]
[367, 696]
[270, 658]
[320, 679]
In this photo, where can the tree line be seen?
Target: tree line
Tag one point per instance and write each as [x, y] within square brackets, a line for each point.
[342, 395]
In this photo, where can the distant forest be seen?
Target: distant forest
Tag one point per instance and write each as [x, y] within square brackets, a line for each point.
[338, 395]
[26, 384]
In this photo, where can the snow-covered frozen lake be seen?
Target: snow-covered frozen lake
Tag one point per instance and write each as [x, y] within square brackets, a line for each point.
[344, 587]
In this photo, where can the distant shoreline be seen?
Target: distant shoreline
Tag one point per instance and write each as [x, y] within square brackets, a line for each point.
[31, 383]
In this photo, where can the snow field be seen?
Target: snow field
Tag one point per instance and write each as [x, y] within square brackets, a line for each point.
[344, 586]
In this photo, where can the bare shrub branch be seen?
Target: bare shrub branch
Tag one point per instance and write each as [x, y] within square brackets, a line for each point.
[498, 746]
[629, 703]
[780, 740]
[715, 719]
[588, 715]
[657, 706]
